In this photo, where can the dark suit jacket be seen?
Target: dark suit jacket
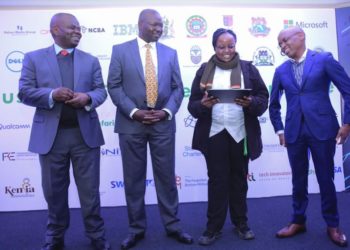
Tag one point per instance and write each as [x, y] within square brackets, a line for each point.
[40, 75]
[310, 101]
[126, 86]
[252, 80]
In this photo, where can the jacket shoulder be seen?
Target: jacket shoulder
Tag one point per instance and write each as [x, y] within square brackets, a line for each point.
[85, 54]
[125, 44]
[163, 46]
[39, 51]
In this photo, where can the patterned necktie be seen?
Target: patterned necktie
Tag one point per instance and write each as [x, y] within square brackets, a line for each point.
[151, 79]
[64, 52]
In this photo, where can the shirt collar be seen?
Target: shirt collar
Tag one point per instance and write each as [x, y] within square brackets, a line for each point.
[142, 43]
[58, 49]
[302, 58]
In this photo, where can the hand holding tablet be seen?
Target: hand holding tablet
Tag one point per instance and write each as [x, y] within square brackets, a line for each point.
[228, 95]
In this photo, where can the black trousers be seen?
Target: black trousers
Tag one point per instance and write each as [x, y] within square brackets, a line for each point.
[227, 184]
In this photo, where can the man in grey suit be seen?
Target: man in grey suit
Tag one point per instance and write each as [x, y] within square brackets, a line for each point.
[140, 122]
[65, 85]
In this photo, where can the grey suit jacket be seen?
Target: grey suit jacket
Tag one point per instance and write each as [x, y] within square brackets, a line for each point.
[40, 75]
[126, 86]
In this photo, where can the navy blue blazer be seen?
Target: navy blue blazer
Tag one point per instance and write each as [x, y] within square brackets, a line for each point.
[311, 100]
[260, 95]
[127, 87]
[40, 75]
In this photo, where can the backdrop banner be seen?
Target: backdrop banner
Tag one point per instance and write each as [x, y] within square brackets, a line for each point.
[189, 30]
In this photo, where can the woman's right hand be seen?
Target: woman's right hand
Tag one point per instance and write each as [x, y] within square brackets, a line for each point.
[209, 101]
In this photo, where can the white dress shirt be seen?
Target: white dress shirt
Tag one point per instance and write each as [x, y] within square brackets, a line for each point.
[142, 48]
[227, 116]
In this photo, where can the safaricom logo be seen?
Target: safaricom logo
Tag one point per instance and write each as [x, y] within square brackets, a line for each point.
[305, 25]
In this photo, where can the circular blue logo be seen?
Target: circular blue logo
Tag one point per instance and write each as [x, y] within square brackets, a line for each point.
[14, 61]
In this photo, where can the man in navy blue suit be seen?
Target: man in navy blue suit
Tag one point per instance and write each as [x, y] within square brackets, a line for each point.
[311, 125]
[142, 120]
[65, 86]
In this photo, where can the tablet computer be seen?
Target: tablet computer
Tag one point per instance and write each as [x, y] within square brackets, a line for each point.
[228, 95]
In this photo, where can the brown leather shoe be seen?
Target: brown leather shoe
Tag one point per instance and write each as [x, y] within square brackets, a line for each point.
[337, 236]
[291, 230]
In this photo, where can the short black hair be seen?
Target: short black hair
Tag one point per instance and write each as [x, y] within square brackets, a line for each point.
[221, 31]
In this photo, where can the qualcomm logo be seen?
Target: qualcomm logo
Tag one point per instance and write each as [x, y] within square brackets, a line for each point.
[14, 61]
[13, 126]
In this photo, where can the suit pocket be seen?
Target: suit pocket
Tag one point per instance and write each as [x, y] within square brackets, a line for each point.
[326, 111]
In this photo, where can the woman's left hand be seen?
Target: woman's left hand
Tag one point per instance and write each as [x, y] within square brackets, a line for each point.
[245, 102]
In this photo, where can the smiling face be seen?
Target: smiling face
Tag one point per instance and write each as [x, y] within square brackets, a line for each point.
[225, 48]
[150, 26]
[292, 42]
[65, 30]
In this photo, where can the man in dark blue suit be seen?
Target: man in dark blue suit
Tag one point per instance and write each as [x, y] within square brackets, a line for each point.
[311, 125]
[146, 117]
[65, 86]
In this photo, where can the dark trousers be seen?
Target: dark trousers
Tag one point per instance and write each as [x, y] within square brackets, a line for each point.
[227, 184]
[134, 156]
[322, 153]
[68, 147]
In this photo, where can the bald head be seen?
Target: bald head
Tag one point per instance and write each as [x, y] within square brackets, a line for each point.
[150, 25]
[65, 30]
[292, 42]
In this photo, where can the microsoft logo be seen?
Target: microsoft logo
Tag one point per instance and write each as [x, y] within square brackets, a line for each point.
[287, 23]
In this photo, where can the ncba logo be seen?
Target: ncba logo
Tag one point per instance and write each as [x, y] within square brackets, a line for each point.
[14, 61]
[259, 27]
[263, 56]
[196, 26]
[196, 54]
[25, 190]
[92, 30]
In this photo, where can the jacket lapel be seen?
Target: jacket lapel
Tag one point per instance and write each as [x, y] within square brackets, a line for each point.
[309, 61]
[289, 70]
[77, 62]
[160, 60]
[136, 57]
[52, 62]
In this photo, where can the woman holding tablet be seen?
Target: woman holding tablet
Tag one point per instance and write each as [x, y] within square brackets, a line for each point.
[228, 134]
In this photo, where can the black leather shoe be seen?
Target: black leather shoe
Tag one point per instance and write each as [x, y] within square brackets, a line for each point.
[131, 240]
[101, 244]
[59, 245]
[181, 237]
